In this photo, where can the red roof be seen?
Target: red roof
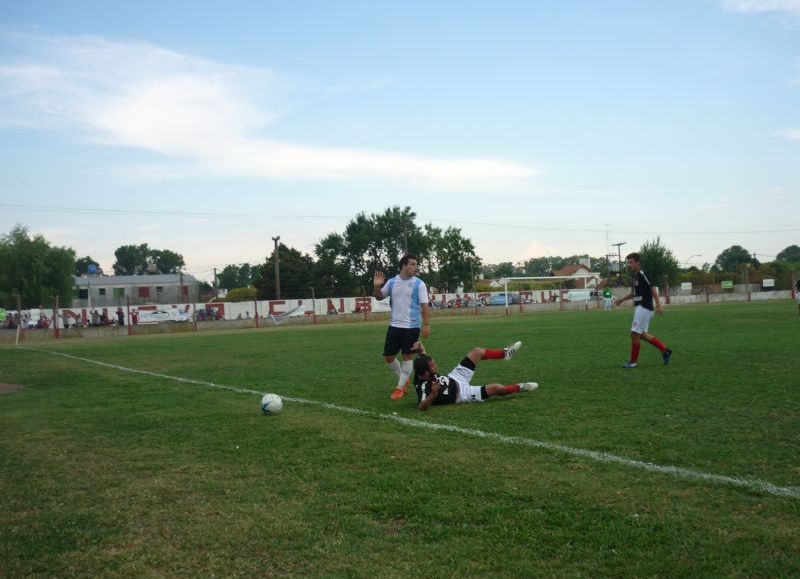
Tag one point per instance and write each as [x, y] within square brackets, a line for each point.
[571, 270]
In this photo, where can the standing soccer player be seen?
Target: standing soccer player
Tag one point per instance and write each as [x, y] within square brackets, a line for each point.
[643, 294]
[409, 301]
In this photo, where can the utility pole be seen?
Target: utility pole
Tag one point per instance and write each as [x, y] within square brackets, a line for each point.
[619, 256]
[277, 259]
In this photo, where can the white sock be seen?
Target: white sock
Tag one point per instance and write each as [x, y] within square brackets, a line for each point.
[394, 366]
[405, 373]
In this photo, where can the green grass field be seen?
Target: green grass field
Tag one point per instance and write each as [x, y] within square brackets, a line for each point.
[107, 472]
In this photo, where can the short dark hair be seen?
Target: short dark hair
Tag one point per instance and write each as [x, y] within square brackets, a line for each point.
[422, 364]
[406, 258]
[634, 256]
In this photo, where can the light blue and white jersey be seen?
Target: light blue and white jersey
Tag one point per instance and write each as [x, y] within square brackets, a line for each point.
[406, 295]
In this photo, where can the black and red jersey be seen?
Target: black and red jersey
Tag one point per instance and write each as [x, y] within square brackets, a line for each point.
[448, 390]
[642, 291]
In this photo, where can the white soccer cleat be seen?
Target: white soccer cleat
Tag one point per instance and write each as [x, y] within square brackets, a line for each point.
[528, 386]
[511, 350]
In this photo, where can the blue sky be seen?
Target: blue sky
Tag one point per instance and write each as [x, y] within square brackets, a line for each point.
[537, 128]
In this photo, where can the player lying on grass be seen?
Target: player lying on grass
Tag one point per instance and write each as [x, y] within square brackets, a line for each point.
[456, 387]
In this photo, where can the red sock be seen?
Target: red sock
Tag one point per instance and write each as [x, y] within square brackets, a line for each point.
[512, 388]
[493, 354]
[635, 352]
[658, 344]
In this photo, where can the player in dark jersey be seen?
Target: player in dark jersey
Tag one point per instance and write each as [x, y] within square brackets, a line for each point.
[434, 389]
[643, 294]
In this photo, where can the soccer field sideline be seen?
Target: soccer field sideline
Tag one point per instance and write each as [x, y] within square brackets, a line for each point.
[603, 457]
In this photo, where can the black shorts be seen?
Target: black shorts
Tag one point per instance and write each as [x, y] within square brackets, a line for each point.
[400, 339]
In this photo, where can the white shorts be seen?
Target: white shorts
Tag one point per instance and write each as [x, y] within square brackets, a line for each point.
[641, 320]
[797, 298]
[466, 391]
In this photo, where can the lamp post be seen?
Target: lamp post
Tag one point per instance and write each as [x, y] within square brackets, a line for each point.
[277, 259]
[688, 259]
[619, 256]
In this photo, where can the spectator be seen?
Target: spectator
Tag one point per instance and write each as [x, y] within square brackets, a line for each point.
[120, 316]
[607, 298]
[797, 296]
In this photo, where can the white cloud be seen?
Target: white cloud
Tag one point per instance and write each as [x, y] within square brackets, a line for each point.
[535, 248]
[345, 88]
[763, 6]
[790, 134]
[207, 118]
[712, 207]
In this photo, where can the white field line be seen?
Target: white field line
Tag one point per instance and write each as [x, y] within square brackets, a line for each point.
[604, 457]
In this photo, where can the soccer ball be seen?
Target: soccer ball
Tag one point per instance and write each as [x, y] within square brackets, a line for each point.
[271, 404]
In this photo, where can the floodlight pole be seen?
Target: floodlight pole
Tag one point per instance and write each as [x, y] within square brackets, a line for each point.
[277, 259]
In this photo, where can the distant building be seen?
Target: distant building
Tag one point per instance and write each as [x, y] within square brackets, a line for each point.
[580, 272]
[114, 290]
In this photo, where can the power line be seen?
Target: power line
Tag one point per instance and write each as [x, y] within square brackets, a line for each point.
[284, 217]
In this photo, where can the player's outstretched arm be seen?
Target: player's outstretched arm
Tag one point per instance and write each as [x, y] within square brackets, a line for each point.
[620, 300]
[378, 279]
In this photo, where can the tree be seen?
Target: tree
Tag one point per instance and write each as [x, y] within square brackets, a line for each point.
[378, 241]
[82, 265]
[142, 260]
[504, 269]
[736, 255]
[131, 259]
[235, 276]
[205, 291]
[659, 263]
[790, 254]
[166, 261]
[331, 275]
[34, 270]
[451, 259]
[242, 294]
[539, 266]
[295, 272]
